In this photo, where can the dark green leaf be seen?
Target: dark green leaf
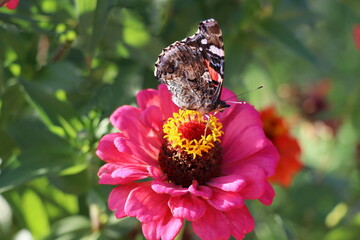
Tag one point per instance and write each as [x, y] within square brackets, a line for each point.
[76, 184]
[52, 110]
[280, 33]
[71, 228]
[43, 153]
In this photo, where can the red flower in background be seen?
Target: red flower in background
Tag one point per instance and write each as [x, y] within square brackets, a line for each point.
[10, 4]
[356, 33]
[277, 130]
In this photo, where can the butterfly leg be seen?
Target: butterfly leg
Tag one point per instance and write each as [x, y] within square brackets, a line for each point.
[207, 124]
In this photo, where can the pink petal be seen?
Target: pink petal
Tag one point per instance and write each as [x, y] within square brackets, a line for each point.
[129, 120]
[118, 197]
[240, 222]
[262, 153]
[131, 171]
[268, 196]
[146, 205]
[148, 154]
[108, 152]
[255, 180]
[225, 201]
[231, 183]
[245, 141]
[238, 145]
[153, 118]
[200, 191]
[212, 226]
[187, 206]
[12, 4]
[168, 188]
[105, 172]
[226, 94]
[165, 228]
[130, 113]
[242, 115]
[147, 98]
[107, 177]
[156, 173]
[266, 158]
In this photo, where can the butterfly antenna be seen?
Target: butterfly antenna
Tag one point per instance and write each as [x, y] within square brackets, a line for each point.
[252, 90]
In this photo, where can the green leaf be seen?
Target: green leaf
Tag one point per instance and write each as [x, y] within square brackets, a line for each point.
[35, 214]
[58, 204]
[120, 229]
[52, 110]
[76, 184]
[135, 33]
[7, 147]
[344, 232]
[62, 75]
[280, 33]
[12, 103]
[74, 227]
[93, 16]
[111, 96]
[101, 16]
[42, 153]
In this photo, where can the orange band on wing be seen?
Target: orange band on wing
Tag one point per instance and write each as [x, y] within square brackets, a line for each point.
[213, 74]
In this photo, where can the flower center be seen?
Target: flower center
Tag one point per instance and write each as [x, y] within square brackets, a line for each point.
[193, 130]
[191, 149]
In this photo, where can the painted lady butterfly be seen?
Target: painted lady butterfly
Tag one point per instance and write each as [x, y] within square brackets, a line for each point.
[193, 69]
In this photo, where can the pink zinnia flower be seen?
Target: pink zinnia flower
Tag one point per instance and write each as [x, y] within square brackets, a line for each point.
[186, 176]
[10, 4]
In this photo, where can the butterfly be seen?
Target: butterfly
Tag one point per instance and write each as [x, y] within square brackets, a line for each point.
[193, 69]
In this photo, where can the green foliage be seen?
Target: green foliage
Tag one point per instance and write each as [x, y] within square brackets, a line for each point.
[67, 65]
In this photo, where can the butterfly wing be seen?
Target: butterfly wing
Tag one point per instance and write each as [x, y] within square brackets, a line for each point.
[193, 69]
[208, 39]
[181, 68]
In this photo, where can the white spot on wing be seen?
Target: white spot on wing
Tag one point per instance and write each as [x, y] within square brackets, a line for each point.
[216, 50]
[203, 41]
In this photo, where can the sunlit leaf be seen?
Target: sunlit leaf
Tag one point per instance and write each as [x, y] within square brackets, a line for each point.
[58, 204]
[32, 207]
[346, 232]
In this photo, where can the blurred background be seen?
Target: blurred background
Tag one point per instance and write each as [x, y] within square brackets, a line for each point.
[67, 65]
